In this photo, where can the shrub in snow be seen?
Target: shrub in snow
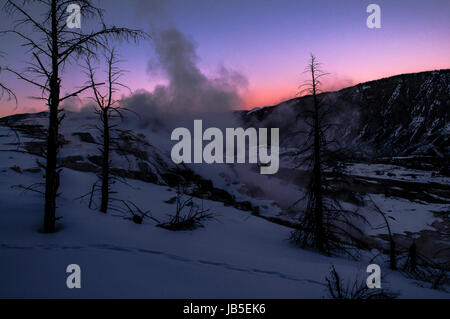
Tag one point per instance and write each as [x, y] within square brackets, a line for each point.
[357, 289]
[188, 215]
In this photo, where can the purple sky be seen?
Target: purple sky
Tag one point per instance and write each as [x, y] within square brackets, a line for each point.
[269, 41]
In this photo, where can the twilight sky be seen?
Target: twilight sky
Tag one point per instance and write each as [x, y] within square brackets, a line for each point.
[268, 42]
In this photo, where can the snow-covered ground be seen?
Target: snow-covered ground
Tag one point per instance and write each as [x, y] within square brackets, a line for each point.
[407, 216]
[236, 255]
[396, 173]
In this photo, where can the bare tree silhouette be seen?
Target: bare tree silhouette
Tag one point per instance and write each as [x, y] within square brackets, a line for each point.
[338, 288]
[392, 249]
[325, 224]
[4, 89]
[107, 108]
[52, 46]
[414, 264]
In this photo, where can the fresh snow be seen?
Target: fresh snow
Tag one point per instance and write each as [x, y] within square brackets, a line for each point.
[236, 255]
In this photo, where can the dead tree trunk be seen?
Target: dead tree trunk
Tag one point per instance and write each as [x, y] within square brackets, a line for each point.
[51, 46]
[108, 109]
[324, 224]
[317, 171]
[51, 176]
[392, 249]
[412, 255]
[105, 161]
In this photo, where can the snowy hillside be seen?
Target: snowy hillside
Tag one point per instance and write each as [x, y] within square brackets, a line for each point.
[243, 252]
[404, 115]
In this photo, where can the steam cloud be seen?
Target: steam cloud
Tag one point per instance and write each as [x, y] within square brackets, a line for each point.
[189, 91]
